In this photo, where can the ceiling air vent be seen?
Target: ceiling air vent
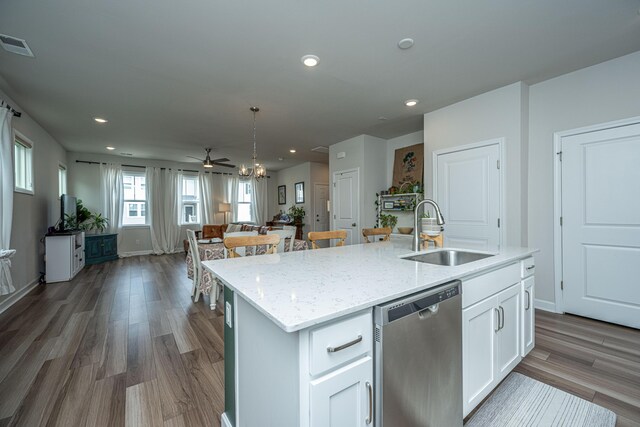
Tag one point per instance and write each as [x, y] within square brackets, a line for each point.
[320, 149]
[15, 45]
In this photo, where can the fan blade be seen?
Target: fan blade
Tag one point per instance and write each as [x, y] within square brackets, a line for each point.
[202, 160]
[224, 164]
[224, 159]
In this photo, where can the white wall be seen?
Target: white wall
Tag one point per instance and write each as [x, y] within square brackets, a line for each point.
[368, 155]
[495, 114]
[602, 93]
[33, 214]
[84, 183]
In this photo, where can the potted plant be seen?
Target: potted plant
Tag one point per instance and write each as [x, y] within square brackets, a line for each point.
[388, 220]
[297, 213]
[97, 222]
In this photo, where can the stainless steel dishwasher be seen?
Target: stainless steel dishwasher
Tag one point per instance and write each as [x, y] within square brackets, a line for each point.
[418, 359]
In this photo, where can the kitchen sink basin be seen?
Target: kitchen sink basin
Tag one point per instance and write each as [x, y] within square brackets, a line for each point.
[448, 257]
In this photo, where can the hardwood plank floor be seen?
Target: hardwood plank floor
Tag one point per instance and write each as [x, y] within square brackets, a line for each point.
[123, 344]
[600, 362]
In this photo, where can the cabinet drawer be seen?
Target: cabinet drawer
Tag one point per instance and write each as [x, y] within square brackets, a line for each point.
[339, 342]
[527, 267]
[478, 288]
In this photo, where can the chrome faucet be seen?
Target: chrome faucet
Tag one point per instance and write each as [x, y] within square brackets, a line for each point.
[416, 237]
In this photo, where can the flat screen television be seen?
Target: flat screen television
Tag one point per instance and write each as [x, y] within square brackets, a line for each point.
[67, 209]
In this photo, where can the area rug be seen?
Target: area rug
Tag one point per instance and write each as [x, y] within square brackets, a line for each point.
[522, 401]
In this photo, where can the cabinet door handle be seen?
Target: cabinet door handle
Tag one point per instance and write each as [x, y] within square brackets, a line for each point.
[370, 390]
[531, 267]
[498, 322]
[343, 346]
[528, 306]
[502, 317]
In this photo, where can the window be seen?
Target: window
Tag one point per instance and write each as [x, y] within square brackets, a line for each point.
[23, 169]
[62, 180]
[244, 201]
[135, 200]
[190, 200]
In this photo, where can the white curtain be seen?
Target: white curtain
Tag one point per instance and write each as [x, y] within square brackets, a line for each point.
[6, 199]
[208, 211]
[230, 186]
[259, 201]
[113, 198]
[164, 194]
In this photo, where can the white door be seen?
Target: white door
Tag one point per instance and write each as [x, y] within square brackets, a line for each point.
[320, 212]
[479, 324]
[508, 345]
[346, 203]
[467, 189]
[342, 398]
[601, 224]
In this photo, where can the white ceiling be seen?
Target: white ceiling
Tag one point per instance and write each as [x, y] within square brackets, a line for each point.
[174, 77]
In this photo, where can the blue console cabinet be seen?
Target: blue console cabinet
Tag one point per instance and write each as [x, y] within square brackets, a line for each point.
[100, 248]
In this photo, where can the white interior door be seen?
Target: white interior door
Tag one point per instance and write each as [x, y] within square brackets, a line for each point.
[320, 212]
[346, 214]
[601, 224]
[467, 189]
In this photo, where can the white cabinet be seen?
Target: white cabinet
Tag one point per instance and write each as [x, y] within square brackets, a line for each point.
[528, 315]
[491, 344]
[479, 329]
[343, 398]
[508, 330]
[527, 270]
[491, 331]
[64, 256]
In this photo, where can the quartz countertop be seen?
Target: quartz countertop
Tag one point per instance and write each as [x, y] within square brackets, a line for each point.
[304, 288]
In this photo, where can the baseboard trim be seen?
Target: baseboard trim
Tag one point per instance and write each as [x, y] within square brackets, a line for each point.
[224, 420]
[17, 295]
[135, 253]
[545, 305]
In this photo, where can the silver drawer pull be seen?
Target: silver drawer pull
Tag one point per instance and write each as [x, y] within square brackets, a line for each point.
[531, 267]
[370, 390]
[343, 346]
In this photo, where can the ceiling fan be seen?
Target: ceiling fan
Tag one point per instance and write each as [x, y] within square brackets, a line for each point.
[208, 163]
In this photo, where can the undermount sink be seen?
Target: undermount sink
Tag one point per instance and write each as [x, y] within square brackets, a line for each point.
[448, 257]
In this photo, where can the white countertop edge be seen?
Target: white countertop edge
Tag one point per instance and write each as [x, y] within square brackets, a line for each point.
[483, 265]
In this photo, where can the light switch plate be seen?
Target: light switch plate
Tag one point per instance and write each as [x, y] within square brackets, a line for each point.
[227, 314]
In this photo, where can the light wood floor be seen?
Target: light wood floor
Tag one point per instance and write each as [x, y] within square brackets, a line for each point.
[597, 361]
[123, 343]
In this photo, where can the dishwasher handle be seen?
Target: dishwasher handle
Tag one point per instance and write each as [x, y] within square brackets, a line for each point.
[429, 311]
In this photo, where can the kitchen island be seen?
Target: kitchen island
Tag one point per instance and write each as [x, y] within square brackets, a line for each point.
[282, 310]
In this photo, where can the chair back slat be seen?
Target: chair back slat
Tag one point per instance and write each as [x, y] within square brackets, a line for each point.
[372, 232]
[315, 236]
[233, 243]
[239, 251]
[284, 234]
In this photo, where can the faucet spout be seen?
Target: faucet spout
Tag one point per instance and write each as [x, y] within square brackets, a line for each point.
[439, 218]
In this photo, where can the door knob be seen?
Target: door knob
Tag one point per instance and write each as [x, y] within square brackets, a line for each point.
[353, 225]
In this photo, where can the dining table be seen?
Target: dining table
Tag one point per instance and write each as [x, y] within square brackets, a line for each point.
[210, 249]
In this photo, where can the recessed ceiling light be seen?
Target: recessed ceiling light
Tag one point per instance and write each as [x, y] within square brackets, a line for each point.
[100, 120]
[411, 102]
[110, 148]
[405, 43]
[292, 150]
[310, 60]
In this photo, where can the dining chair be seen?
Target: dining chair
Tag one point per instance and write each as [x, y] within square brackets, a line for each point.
[238, 234]
[234, 243]
[197, 267]
[372, 232]
[315, 236]
[284, 234]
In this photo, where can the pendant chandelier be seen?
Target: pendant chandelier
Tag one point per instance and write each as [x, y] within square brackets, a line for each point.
[257, 170]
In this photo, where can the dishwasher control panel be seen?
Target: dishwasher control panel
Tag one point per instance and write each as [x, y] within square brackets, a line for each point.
[407, 307]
